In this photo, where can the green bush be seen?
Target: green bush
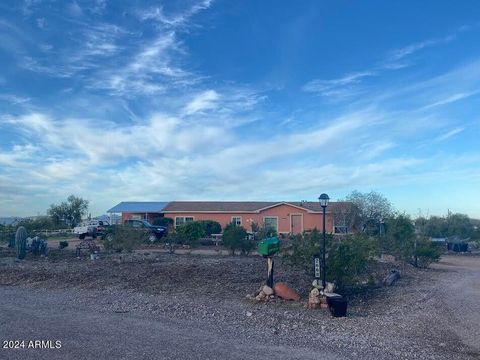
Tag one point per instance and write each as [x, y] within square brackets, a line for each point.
[124, 238]
[235, 238]
[211, 227]
[350, 260]
[402, 242]
[301, 248]
[62, 244]
[191, 232]
[427, 252]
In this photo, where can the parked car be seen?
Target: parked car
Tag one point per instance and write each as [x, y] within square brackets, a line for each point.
[155, 232]
[91, 228]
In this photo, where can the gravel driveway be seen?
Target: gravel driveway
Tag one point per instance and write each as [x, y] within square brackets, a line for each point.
[189, 307]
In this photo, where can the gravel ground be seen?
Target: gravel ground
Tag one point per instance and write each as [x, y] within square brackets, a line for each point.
[196, 307]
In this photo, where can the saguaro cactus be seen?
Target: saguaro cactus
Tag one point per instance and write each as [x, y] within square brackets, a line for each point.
[21, 242]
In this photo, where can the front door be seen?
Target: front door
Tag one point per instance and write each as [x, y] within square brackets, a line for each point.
[296, 221]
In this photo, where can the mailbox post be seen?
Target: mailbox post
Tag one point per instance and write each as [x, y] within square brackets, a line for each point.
[316, 267]
[267, 248]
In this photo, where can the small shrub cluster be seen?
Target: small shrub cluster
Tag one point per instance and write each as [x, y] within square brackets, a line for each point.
[190, 233]
[350, 260]
[62, 244]
[124, 238]
[235, 238]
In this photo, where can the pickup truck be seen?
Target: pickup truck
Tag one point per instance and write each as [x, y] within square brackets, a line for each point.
[91, 228]
[155, 232]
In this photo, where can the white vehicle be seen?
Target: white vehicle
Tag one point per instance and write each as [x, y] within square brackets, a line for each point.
[91, 228]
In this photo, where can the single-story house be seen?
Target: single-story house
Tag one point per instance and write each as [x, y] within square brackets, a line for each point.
[138, 210]
[284, 217]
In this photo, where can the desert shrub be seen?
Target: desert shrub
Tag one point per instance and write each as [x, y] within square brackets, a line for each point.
[124, 238]
[300, 249]
[190, 233]
[62, 244]
[171, 240]
[399, 239]
[235, 238]
[402, 242]
[163, 221]
[426, 252]
[211, 227]
[38, 223]
[350, 260]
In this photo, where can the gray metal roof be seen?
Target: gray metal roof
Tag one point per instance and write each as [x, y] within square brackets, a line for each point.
[139, 207]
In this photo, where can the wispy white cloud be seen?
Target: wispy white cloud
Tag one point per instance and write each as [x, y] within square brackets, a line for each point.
[349, 85]
[14, 99]
[450, 99]
[341, 87]
[175, 20]
[450, 134]
[204, 101]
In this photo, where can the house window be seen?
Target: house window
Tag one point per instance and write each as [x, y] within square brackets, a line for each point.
[237, 220]
[271, 223]
[340, 226]
[182, 220]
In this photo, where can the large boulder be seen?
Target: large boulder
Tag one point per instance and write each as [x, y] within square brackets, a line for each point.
[283, 291]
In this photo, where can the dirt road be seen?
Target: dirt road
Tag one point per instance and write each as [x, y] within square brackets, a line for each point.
[460, 290]
[39, 315]
[194, 307]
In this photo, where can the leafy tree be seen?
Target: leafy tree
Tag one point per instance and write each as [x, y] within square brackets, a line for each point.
[459, 225]
[235, 238]
[435, 226]
[69, 212]
[371, 209]
[452, 225]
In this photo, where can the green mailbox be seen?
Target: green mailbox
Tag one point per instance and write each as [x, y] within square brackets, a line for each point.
[269, 246]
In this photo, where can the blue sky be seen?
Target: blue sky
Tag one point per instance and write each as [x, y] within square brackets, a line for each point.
[239, 100]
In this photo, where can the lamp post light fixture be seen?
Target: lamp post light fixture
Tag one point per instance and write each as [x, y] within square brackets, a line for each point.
[323, 199]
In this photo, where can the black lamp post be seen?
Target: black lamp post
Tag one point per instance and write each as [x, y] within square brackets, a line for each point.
[323, 199]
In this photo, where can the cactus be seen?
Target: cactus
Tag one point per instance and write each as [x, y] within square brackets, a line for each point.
[21, 242]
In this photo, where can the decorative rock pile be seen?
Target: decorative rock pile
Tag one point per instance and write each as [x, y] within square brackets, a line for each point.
[280, 290]
[318, 298]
